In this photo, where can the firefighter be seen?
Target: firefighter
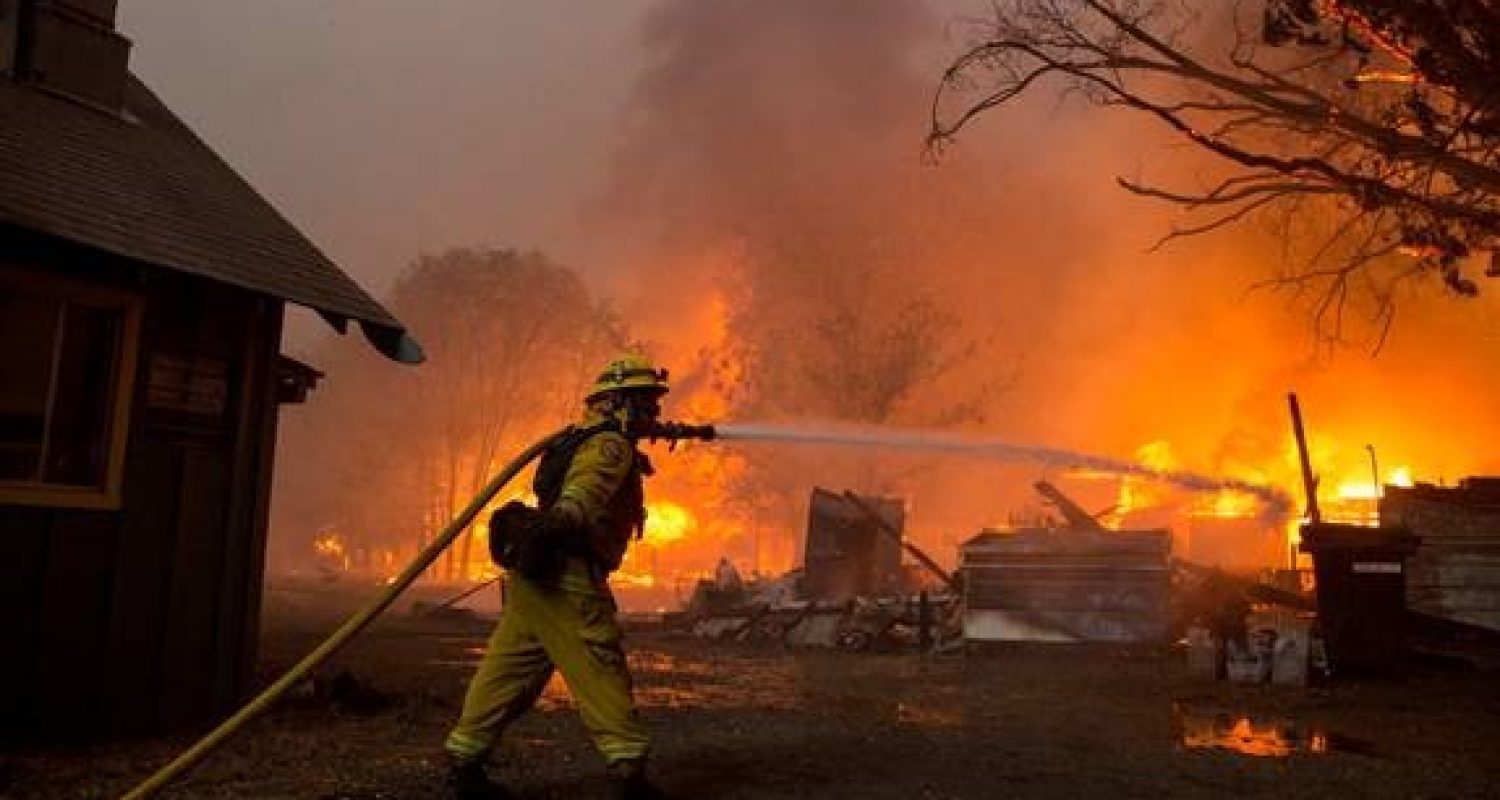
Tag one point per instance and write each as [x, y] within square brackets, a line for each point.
[589, 482]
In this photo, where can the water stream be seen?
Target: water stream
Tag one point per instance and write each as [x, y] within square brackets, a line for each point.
[1277, 505]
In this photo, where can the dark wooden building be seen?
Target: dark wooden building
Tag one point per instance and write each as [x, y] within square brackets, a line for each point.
[142, 287]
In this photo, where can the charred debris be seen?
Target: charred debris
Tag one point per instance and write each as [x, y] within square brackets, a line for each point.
[1069, 580]
[1420, 578]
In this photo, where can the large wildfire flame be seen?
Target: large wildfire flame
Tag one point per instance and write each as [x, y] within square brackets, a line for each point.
[1348, 492]
[694, 517]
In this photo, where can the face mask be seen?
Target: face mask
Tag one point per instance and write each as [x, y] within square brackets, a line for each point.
[643, 407]
[636, 411]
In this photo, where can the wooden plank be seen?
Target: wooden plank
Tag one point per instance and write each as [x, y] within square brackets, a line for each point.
[140, 598]
[196, 576]
[246, 517]
[890, 531]
[23, 550]
[1488, 619]
[1480, 598]
[77, 583]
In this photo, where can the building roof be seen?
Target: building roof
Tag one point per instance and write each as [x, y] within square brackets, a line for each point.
[140, 184]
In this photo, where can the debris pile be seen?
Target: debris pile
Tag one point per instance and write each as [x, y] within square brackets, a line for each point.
[853, 592]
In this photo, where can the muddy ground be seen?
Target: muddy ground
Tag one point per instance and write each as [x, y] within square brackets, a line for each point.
[740, 722]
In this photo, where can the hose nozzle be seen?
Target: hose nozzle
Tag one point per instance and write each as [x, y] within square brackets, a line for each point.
[675, 432]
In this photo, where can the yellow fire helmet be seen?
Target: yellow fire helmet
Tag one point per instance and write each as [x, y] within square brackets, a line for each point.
[630, 371]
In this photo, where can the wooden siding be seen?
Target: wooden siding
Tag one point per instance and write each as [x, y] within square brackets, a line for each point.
[23, 552]
[146, 619]
[1455, 573]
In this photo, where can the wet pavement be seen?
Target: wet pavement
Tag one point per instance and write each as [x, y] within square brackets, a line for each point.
[736, 722]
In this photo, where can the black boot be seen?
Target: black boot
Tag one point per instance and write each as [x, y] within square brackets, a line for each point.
[467, 780]
[627, 781]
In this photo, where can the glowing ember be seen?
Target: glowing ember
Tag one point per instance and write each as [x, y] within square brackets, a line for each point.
[331, 549]
[1387, 76]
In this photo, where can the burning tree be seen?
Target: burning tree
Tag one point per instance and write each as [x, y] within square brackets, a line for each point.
[866, 344]
[512, 340]
[1380, 120]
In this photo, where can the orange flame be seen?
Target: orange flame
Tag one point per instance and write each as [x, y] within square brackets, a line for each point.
[331, 548]
[667, 522]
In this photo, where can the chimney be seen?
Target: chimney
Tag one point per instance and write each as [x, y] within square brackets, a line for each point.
[69, 47]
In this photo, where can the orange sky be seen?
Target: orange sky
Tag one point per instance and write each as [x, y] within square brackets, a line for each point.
[725, 171]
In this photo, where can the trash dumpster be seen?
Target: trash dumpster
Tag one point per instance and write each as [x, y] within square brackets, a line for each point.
[1361, 593]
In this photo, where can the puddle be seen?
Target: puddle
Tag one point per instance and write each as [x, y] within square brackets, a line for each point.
[1249, 736]
[555, 694]
[1261, 737]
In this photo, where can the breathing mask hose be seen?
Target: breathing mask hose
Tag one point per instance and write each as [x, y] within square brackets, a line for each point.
[344, 634]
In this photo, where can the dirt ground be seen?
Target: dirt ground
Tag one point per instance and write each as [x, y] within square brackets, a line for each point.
[739, 722]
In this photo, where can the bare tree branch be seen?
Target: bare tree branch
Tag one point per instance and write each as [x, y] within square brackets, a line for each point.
[1383, 117]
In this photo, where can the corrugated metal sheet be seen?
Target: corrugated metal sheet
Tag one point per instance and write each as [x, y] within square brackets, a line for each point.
[1455, 573]
[1066, 585]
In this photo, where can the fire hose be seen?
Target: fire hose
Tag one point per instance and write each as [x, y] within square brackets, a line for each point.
[344, 634]
[670, 431]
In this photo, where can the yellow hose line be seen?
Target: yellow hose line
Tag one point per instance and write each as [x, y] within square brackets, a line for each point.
[341, 637]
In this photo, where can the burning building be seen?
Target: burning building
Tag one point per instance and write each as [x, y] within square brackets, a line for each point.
[142, 290]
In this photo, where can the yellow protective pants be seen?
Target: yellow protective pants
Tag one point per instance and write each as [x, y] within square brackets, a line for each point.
[541, 628]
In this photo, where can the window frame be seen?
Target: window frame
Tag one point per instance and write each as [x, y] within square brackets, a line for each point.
[108, 495]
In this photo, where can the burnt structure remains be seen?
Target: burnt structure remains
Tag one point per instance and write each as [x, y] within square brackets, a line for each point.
[847, 553]
[142, 290]
[1079, 582]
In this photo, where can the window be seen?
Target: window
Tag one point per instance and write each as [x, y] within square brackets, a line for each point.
[67, 358]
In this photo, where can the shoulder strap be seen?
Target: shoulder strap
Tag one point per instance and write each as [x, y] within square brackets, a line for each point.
[553, 469]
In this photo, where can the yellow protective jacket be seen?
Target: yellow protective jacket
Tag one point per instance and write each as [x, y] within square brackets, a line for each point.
[603, 493]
